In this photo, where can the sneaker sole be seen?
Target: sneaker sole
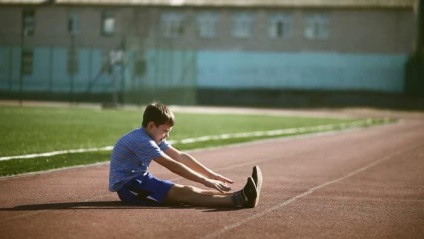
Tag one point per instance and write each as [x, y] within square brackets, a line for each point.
[257, 177]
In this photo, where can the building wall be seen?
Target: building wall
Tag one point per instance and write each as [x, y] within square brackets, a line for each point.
[351, 30]
[366, 50]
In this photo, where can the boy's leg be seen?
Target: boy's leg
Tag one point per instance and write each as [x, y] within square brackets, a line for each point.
[145, 190]
[247, 197]
[198, 197]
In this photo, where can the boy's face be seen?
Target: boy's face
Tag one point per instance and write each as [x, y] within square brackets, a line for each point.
[158, 133]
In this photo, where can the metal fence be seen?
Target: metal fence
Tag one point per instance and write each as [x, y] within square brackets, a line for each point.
[136, 73]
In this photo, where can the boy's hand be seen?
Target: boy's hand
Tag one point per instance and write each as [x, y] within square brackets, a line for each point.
[218, 185]
[222, 178]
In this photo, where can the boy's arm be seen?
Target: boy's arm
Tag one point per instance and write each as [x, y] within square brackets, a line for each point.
[188, 173]
[195, 165]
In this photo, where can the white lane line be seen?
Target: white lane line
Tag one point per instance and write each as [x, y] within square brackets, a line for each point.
[70, 151]
[293, 199]
[280, 132]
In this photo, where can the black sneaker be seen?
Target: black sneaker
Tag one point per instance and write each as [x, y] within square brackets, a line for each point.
[251, 194]
[257, 177]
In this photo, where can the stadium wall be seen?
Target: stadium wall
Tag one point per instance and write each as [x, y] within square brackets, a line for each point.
[305, 71]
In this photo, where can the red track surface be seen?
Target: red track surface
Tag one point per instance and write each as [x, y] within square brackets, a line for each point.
[367, 183]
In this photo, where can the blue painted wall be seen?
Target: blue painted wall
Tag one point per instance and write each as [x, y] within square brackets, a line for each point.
[311, 71]
[171, 68]
[207, 69]
[49, 72]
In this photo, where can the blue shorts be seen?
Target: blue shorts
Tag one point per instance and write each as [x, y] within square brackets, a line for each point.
[145, 190]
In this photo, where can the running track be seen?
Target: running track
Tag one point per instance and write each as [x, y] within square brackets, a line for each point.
[366, 183]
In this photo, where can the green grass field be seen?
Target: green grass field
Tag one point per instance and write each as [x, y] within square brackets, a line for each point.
[29, 130]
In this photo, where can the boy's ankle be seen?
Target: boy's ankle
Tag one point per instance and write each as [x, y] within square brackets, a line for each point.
[239, 199]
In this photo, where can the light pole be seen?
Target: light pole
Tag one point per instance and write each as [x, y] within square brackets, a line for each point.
[21, 70]
[414, 75]
[420, 31]
[117, 58]
[71, 66]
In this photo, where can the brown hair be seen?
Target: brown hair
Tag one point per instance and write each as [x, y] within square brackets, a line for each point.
[159, 114]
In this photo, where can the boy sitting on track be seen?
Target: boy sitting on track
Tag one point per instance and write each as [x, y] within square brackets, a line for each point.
[130, 161]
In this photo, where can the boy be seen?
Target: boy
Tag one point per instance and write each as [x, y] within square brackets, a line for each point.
[133, 152]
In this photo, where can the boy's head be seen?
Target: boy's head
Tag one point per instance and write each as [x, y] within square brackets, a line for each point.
[159, 114]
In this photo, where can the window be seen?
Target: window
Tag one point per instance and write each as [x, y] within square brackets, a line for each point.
[280, 26]
[243, 25]
[27, 61]
[73, 62]
[73, 23]
[317, 27]
[28, 22]
[172, 24]
[108, 23]
[207, 23]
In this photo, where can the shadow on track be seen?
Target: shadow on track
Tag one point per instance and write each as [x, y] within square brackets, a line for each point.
[103, 205]
[79, 205]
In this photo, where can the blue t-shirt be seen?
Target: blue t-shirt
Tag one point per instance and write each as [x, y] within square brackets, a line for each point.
[131, 157]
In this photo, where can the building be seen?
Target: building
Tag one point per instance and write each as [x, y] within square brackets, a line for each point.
[195, 51]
